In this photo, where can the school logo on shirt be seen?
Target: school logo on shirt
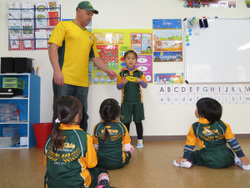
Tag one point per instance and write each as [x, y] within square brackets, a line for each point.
[211, 135]
[125, 74]
[209, 132]
[63, 157]
[114, 135]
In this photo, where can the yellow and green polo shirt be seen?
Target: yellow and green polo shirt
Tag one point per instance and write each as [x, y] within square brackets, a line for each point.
[111, 153]
[69, 166]
[131, 92]
[77, 45]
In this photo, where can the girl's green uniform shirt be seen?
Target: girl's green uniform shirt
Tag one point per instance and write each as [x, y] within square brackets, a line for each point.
[111, 153]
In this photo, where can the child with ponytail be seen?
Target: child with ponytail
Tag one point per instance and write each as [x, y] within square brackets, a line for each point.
[111, 138]
[69, 152]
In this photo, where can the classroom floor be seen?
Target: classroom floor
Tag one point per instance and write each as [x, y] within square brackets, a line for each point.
[150, 167]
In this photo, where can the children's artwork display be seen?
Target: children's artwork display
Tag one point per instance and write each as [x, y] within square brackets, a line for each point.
[112, 45]
[191, 93]
[167, 40]
[31, 25]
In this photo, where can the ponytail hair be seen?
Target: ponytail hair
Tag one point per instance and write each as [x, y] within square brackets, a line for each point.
[109, 111]
[65, 110]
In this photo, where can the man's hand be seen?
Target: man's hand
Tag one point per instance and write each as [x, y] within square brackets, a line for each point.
[111, 74]
[58, 78]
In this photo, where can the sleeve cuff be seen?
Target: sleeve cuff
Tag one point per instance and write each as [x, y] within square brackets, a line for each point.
[187, 155]
[240, 153]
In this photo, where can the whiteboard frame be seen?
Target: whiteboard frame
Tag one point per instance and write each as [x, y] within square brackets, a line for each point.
[200, 68]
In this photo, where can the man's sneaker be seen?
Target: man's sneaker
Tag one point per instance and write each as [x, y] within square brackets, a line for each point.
[184, 164]
[238, 162]
[139, 145]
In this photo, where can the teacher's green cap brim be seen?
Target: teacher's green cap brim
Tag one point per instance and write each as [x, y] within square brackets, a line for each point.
[86, 5]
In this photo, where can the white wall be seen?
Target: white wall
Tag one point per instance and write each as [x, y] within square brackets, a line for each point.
[133, 14]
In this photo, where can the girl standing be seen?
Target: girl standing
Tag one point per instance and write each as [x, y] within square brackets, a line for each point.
[130, 80]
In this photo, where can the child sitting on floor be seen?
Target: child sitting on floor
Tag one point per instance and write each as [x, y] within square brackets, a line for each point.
[212, 134]
[69, 152]
[111, 138]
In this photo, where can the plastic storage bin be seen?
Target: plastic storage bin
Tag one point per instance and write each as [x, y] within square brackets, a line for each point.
[6, 108]
[11, 131]
[8, 112]
[13, 82]
[42, 131]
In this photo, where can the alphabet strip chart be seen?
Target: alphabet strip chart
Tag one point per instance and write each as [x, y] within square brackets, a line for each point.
[190, 94]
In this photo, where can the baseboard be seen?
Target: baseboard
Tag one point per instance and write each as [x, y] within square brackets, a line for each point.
[178, 138]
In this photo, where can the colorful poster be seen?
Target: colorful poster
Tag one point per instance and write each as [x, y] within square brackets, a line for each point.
[141, 43]
[144, 64]
[167, 56]
[167, 24]
[168, 46]
[167, 40]
[109, 55]
[167, 34]
[168, 78]
[139, 40]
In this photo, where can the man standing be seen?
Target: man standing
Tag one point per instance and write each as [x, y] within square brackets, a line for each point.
[70, 47]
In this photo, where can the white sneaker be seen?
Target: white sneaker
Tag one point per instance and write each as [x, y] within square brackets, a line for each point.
[238, 162]
[184, 164]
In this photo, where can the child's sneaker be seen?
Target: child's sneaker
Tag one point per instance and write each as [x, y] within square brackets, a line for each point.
[104, 184]
[184, 164]
[139, 144]
[238, 162]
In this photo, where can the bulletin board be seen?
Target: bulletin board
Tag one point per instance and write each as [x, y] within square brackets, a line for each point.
[112, 45]
[219, 53]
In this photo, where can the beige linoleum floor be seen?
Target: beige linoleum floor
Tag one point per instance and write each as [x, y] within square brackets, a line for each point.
[150, 167]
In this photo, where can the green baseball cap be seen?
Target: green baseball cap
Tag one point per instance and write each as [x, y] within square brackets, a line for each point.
[86, 5]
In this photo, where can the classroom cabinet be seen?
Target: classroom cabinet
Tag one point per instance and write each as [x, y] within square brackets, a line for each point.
[18, 113]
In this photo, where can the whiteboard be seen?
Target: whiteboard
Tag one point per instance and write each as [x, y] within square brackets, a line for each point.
[219, 53]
